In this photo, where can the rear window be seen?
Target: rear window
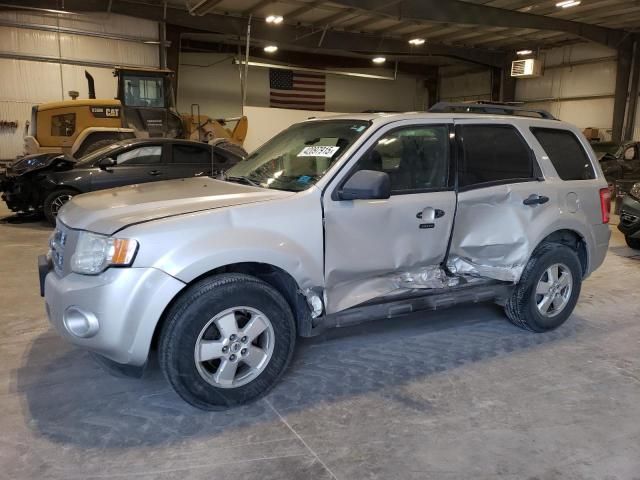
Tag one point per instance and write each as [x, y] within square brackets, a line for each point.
[566, 153]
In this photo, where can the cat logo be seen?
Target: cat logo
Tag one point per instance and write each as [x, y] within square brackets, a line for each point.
[105, 112]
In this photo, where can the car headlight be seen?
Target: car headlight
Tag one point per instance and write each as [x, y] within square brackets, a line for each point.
[94, 253]
[635, 191]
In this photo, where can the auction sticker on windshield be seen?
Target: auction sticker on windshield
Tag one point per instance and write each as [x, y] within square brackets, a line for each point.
[318, 151]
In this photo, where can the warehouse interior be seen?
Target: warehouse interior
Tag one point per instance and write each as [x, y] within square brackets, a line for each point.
[447, 394]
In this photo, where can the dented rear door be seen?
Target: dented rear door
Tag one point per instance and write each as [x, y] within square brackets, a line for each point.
[503, 201]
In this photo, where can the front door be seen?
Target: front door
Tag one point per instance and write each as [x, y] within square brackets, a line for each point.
[140, 164]
[373, 247]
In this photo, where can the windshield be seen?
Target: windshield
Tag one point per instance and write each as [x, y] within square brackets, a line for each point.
[89, 158]
[299, 156]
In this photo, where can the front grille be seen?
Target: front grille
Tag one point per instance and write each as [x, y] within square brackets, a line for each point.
[57, 243]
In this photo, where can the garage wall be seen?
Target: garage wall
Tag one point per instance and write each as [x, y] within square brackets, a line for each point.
[579, 93]
[30, 68]
[578, 85]
[464, 88]
[213, 81]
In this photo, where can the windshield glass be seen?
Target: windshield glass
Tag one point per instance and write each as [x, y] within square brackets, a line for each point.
[89, 158]
[299, 156]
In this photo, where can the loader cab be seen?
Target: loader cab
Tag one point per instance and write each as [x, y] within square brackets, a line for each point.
[148, 102]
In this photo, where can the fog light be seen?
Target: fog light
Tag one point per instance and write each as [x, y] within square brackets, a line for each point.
[80, 323]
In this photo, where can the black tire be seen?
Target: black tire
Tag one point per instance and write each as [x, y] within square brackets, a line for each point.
[521, 308]
[88, 148]
[190, 314]
[54, 201]
[633, 242]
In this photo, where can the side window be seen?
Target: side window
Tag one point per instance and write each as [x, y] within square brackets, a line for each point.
[191, 154]
[63, 125]
[147, 155]
[493, 153]
[416, 158]
[565, 152]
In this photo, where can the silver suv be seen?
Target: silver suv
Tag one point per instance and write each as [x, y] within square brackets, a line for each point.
[331, 223]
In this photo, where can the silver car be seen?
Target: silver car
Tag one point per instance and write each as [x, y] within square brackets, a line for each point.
[331, 223]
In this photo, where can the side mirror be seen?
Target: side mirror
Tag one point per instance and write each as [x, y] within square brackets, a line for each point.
[366, 185]
[105, 163]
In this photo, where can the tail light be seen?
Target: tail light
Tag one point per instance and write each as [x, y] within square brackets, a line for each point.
[605, 204]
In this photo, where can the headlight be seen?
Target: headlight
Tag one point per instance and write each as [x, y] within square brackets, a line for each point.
[95, 252]
[635, 191]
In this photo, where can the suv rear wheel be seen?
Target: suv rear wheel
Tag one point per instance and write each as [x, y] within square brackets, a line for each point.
[548, 289]
[226, 341]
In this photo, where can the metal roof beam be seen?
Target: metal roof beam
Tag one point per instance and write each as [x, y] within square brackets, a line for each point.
[457, 11]
[285, 34]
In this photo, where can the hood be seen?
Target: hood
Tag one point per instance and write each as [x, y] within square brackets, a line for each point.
[39, 161]
[108, 211]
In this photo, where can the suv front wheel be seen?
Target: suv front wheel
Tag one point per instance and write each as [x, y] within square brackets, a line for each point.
[226, 341]
[548, 289]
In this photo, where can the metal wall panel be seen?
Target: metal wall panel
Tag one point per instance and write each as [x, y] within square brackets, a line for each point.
[26, 82]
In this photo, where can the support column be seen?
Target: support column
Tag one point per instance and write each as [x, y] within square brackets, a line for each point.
[633, 93]
[508, 91]
[432, 84]
[173, 54]
[496, 83]
[622, 90]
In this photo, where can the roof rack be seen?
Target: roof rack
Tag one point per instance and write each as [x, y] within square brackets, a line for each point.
[487, 108]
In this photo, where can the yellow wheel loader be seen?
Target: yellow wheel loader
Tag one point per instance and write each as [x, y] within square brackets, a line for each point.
[144, 107]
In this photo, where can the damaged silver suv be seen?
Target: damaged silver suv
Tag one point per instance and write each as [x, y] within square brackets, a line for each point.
[331, 223]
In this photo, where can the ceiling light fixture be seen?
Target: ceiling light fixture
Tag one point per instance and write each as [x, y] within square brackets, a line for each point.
[416, 41]
[568, 3]
[522, 53]
[379, 60]
[274, 19]
[271, 49]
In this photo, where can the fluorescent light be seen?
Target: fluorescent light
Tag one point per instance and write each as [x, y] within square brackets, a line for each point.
[524, 52]
[271, 49]
[316, 70]
[275, 19]
[568, 3]
[379, 60]
[416, 41]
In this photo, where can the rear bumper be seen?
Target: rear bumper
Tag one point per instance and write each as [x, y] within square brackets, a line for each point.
[601, 237]
[630, 217]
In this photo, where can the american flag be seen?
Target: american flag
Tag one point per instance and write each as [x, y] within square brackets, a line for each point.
[298, 90]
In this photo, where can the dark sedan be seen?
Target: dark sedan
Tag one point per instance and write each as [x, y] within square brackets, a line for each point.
[45, 182]
[630, 217]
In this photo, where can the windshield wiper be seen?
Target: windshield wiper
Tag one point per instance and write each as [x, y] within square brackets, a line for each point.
[242, 179]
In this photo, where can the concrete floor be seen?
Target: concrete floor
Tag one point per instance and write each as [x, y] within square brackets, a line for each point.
[458, 394]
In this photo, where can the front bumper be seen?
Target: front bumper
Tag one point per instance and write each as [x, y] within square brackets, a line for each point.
[630, 217]
[124, 305]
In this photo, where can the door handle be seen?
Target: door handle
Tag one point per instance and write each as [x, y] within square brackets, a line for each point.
[437, 213]
[535, 199]
[154, 172]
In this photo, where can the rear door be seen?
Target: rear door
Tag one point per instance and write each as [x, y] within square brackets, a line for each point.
[503, 201]
[138, 164]
[374, 248]
[191, 160]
